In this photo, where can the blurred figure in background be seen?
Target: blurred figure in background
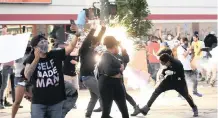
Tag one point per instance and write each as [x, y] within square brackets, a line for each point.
[199, 56]
[87, 59]
[7, 73]
[184, 53]
[152, 48]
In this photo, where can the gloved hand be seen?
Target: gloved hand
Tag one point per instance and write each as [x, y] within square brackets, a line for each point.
[169, 72]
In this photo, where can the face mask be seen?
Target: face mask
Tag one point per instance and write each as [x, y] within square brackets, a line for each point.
[43, 45]
[169, 37]
[185, 45]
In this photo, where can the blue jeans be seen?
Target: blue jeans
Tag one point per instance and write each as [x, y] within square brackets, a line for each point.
[69, 103]
[50, 111]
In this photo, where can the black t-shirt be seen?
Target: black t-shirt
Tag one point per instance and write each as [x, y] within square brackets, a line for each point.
[47, 79]
[69, 68]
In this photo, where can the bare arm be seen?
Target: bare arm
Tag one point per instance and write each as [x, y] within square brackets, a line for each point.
[160, 33]
[71, 46]
[30, 68]
[178, 32]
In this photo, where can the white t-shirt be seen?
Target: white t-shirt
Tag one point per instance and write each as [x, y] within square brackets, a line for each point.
[186, 61]
[173, 43]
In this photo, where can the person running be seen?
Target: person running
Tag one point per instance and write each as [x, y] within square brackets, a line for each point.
[44, 69]
[173, 79]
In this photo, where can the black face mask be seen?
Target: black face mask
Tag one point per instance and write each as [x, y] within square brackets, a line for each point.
[185, 45]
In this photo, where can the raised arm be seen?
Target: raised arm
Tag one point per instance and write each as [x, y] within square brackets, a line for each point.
[101, 33]
[71, 46]
[178, 32]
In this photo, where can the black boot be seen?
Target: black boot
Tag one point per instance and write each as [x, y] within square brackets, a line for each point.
[195, 110]
[1, 104]
[144, 110]
[6, 103]
[98, 110]
[136, 111]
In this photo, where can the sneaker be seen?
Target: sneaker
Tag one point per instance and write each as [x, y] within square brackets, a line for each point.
[145, 110]
[203, 79]
[197, 94]
[136, 111]
[195, 110]
[7, 104]
[98, 110]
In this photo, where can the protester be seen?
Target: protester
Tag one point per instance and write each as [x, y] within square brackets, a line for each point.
[124, 59]
[185, 56]
[174, 79]
[19, 93]
[87, 59]
[197, 47]
[69, 68]
[7, 71]
[110, 80]
[44, 69]
[153, 63]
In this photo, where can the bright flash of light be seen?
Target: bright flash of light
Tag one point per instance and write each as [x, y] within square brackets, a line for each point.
[97, 58]
[121, 35]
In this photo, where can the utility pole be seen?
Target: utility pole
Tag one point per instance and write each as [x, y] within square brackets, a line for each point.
[104, 11]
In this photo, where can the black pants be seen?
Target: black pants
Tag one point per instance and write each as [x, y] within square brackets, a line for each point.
[12, 77]
[0, 78]
[112, 89]
[130, 99]
[172, 84]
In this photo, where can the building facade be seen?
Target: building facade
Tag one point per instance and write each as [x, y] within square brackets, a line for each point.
[191, 14]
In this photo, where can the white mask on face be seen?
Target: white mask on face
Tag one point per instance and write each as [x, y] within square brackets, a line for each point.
[169, 37]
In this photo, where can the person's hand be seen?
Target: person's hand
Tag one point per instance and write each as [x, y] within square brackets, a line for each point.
[37, 53]
[117, 76]
[160, 28]
[103, 23]
[73, 62]
[189, 50]
[178, 27]
[169, 72]
[122, 68]
[74, 27]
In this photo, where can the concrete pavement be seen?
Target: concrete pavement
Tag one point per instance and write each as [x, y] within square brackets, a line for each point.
[168, 105]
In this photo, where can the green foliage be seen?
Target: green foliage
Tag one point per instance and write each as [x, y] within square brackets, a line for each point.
[132, 14]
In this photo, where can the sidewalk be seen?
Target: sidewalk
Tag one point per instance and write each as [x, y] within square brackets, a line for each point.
[168, 105]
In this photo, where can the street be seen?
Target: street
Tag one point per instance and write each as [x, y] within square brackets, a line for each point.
[168, 105]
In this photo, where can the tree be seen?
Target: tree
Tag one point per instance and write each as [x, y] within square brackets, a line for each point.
[132, 14]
